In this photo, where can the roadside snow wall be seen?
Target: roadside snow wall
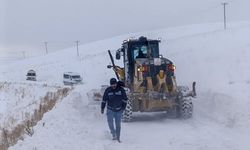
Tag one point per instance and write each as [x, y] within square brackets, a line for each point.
[31, 102]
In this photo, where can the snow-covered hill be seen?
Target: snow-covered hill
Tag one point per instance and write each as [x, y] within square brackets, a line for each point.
[216, 59]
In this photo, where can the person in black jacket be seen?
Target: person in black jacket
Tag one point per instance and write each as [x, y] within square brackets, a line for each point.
[116, 99]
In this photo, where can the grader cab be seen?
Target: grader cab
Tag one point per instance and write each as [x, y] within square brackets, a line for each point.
[150, 80]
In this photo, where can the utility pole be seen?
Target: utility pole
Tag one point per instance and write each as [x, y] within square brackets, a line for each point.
[77, 44]
[23, 54]
[46, 47]
[225, 21]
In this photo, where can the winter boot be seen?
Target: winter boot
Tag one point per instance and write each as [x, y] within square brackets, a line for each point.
[114, 137]
[119, 140]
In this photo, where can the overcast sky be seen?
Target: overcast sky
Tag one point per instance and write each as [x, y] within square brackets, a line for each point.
[26, 24]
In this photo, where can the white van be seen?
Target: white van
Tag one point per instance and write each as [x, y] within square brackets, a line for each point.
[70, 78]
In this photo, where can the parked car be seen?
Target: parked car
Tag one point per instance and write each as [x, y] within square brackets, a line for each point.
[70, 78]
[31, 75]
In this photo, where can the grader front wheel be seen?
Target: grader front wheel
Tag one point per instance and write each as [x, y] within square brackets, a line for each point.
[127, 114]
[185, 108]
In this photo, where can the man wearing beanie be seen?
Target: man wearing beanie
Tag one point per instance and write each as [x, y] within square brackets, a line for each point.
[116, 99]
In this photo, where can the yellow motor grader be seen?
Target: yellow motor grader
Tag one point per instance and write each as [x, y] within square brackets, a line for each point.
[150, 80]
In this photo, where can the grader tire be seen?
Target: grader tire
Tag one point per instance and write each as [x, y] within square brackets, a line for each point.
[127, 114]
[185, 108]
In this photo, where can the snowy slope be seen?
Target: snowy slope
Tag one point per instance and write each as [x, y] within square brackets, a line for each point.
[215, 58]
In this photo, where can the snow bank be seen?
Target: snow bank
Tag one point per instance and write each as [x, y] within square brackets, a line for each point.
[22, 106]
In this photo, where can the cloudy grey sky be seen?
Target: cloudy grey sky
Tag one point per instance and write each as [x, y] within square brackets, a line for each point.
[26, 24]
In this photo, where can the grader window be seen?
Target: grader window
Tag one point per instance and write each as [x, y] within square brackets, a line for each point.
[145, 50]
[140, 52]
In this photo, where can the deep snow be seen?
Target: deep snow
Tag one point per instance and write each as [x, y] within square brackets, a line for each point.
[216, 59]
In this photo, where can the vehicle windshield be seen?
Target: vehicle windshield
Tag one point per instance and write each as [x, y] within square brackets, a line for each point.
[31, 74]
[145, 50]
[76, 77]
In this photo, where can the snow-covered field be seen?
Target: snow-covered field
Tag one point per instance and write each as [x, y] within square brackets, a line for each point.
[218, 60]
